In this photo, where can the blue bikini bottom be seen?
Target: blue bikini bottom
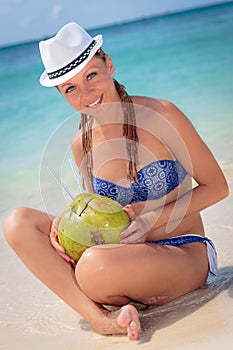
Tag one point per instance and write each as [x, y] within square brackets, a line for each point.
[186, 239]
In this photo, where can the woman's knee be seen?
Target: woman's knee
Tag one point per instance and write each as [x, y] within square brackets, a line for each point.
[14, 224]
[91, 269]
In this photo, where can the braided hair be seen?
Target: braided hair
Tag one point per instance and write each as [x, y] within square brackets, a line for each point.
[129, 131]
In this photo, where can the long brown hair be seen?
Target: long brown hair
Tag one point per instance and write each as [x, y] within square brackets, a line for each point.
[129, 131]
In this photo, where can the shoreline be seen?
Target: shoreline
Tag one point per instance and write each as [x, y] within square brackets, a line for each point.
[16, 195]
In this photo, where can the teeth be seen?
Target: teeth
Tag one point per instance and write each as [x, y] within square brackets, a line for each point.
[94, 103]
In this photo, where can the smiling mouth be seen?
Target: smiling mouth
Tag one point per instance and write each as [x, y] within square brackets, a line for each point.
[96, 103]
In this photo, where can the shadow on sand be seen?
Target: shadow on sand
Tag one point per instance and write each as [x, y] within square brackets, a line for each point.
[158, 317]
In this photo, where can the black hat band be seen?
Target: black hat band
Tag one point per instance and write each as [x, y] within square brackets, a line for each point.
[76, 62]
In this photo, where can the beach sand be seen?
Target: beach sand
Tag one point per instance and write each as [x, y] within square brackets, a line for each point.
[32, 317]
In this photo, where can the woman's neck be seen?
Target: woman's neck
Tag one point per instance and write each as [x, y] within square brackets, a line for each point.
[108, 113]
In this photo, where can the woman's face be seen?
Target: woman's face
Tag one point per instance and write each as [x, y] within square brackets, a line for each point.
[92, 86]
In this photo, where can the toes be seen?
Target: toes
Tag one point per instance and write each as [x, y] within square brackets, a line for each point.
[129, 318]
[123, 318]
[133, 331]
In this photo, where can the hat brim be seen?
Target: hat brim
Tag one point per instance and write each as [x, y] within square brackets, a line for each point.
[47, 82]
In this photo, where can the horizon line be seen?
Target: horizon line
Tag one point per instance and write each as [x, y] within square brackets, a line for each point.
[124, 22]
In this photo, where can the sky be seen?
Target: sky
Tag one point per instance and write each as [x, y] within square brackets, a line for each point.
[27, 20]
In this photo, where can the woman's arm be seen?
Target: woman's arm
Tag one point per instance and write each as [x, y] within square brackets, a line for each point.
[199, 162]
[183, 140]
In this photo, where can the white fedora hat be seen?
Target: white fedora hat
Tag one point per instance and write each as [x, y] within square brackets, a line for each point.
[65, 54]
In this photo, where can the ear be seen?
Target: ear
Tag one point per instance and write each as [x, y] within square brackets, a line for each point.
[110, 65]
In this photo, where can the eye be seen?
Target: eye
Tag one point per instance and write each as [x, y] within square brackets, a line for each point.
[91, 75]
[70, 89]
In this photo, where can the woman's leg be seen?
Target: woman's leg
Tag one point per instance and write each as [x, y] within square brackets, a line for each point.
[27, 232]
[147, 273]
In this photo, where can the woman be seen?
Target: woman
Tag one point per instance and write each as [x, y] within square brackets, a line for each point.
[144, 153]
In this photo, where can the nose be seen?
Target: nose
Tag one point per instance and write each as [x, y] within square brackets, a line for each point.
[87, 94]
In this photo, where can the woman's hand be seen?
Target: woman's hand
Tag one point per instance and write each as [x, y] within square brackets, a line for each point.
[54, 242]
[139, 227]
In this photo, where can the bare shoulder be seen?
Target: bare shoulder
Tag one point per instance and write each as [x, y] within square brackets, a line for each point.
[156, 104]
[164, 108]
[161, 106]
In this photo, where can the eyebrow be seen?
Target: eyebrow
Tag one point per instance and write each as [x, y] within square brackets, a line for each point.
[66, 84]
[85, 72]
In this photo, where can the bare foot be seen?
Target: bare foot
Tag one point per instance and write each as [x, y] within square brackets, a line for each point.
[128, 318]
[122, 321]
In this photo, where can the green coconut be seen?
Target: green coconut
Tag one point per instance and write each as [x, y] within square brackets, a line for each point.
[91, 220]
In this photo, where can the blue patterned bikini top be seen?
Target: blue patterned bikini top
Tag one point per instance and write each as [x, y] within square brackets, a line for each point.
[155, 180]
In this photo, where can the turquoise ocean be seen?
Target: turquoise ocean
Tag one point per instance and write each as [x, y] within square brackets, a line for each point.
[183, 57]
